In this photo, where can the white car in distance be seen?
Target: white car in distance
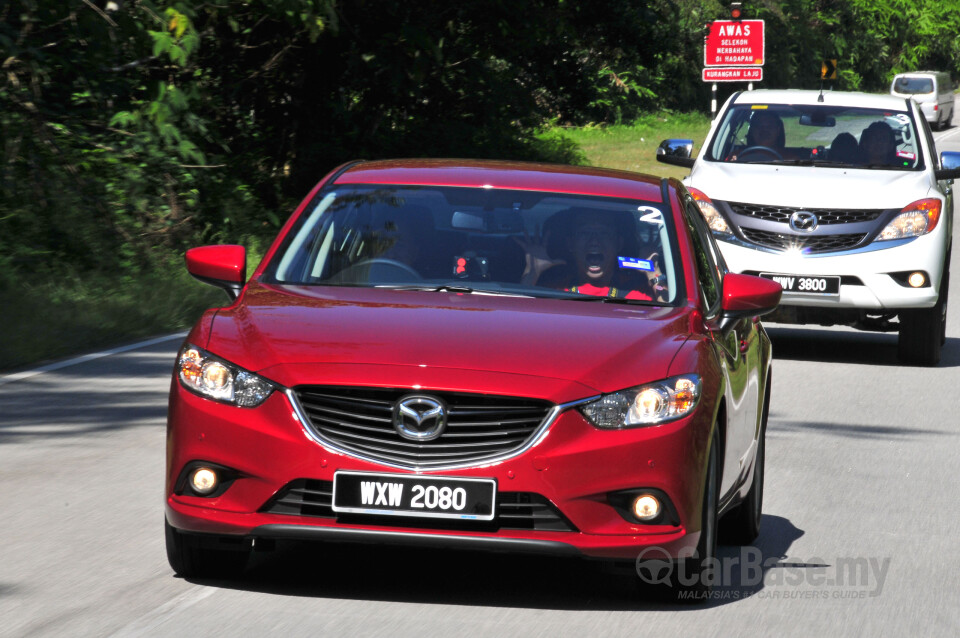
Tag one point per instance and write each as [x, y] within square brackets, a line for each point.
[842, 198]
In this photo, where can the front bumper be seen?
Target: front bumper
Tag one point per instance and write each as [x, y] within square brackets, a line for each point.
[574, 466]
[867, 283]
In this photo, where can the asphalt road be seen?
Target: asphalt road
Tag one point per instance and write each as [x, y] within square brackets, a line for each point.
[859, 534]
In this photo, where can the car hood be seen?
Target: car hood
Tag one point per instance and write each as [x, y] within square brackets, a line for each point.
[809, 186]
[467, 342]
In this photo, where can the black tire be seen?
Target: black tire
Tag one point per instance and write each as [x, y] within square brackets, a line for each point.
[694, 577]
[205, 556]
[923, 331]
[945, 299]
[741, 526]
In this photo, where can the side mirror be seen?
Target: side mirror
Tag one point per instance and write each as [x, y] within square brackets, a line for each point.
[676, 152]
[221, 266]
[747, 296]
[950, 161]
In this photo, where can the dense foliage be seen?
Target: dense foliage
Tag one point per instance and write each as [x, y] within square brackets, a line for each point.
[130, 128]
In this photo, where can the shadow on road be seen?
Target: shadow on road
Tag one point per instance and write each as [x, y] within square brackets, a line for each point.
[101, 396]
[447, 577]
[779, 425]
[835, 346]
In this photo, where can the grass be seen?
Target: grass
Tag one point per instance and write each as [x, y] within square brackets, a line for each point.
[633, 147]
[57, 318]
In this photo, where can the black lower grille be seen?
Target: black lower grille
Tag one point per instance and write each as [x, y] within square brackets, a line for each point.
[478, 427]
[515, 510]
[527, 510]
[303, 497]
[808, 244]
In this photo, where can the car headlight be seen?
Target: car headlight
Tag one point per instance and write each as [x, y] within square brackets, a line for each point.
[216, 379]
[648, 404]
[714, 219]
[917, 218]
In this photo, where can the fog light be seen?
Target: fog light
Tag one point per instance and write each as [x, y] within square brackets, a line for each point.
[916, 279]
[203, 481]
[646, 507]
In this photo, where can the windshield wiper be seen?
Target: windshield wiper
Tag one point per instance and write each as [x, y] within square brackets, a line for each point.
[617, 300]
[820, 163]
[888, 167]
[455, 288]
[427, 288]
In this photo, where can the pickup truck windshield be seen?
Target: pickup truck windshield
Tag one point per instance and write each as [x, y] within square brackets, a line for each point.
[829, 136]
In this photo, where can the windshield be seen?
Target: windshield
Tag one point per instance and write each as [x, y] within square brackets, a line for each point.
[483, 241]
[843, 137]
[913, 86]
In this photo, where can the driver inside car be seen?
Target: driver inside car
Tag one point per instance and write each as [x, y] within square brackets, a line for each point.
[392, 248]
[766, 139]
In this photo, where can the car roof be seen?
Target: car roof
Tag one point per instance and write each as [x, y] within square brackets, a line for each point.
[912, 73]
[509, 175]
[830, 98]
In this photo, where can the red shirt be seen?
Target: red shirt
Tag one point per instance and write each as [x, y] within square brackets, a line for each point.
[596, 291]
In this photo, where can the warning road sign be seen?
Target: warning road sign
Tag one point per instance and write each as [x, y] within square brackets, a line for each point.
[734, 43]
[733, 74]
[828, 70]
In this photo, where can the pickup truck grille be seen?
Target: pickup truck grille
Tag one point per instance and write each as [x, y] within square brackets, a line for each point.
[825, 216]
[809, 244]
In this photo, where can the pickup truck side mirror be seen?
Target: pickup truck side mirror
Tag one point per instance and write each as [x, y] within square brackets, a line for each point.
[950, 161]
[677, 152]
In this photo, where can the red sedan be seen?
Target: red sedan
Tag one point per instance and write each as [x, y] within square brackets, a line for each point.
[488, 355]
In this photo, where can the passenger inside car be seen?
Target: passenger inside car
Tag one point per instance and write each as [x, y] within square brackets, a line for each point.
[844, 149]
[591, 247]
[878, 145]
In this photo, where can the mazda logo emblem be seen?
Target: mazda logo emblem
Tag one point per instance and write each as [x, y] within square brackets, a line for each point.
[419, 418]
[803, 220]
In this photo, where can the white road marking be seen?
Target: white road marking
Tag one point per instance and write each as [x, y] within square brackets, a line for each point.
[10, 378]
[953, 131]
[149, 624]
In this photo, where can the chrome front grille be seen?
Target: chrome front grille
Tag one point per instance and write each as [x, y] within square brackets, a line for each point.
[479, 427]
[807, 244]
[825, 216]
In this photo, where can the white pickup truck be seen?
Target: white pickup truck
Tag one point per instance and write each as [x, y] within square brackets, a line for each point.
[841, 198]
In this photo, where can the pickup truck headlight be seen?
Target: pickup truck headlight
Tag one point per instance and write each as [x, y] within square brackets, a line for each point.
[644, 405]
[917, 218]
[213, 378]
[714, 219]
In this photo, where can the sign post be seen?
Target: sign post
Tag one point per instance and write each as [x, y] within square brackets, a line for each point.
[733, 51]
